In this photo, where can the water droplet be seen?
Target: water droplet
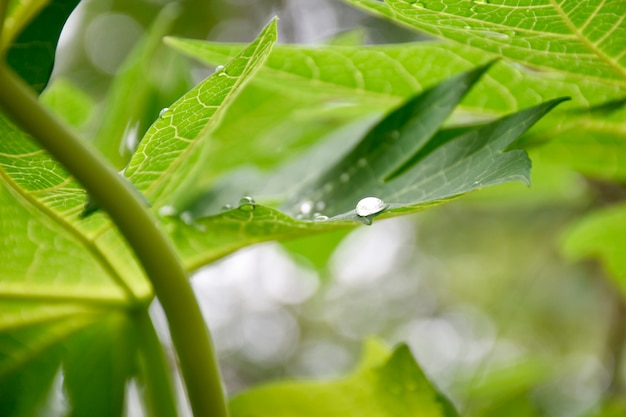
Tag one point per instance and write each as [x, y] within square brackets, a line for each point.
[186, 217]
[370, 205]
[166, 211]
[345, 177]
[227, 207]
[320, 218]
[306, 207]
[362, 163]
[219, 68]
[246, 203]
[165, 113]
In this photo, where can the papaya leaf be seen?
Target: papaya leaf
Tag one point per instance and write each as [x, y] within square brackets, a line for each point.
[403, 161]
[385, 384]
[382, 76]
[543, 34]
[174, 146]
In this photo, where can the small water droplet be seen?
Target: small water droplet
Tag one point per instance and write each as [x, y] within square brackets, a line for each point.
[227, 207]
[246, 203]
[345, 177]
[165, 113]
[167, 211]
[219, 68]
[320, 218]
[306, 207]
[370, 205]
[186, 217]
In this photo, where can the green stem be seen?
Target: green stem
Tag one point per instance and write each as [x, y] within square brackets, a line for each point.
[4, 7]
[159, 394]
[154, 251]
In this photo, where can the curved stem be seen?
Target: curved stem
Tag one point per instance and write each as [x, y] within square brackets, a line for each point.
[155, 252]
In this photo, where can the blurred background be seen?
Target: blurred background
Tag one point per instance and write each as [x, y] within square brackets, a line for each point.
[477, 287]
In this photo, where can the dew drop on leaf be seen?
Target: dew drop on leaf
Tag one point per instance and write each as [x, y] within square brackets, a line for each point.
[226, 207]
[219, 68]
[165, 112]
[246, 203]
[320, 218]
[370, 205]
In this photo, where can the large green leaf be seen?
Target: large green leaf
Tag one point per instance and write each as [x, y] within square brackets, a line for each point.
[554, 41]
[583, 39]
[384, 385]
[376, 78]
[402, 160]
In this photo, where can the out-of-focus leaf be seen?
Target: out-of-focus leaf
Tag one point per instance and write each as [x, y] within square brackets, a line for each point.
[385, 384]
[98, 363]
[601, 235]
[31, 53]
[68, 102]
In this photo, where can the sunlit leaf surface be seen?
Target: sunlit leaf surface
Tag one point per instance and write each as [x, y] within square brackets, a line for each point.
[385, 384]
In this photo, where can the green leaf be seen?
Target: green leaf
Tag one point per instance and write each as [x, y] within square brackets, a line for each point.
[601, 235]
[175, 144]
[107, 364]
[123, 112]
[544, 34]
[69, 102]
[32, 52]
[385, 384]
[307, 88]
[401, 160]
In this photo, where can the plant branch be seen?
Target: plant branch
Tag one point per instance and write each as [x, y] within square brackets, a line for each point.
[155, 252]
